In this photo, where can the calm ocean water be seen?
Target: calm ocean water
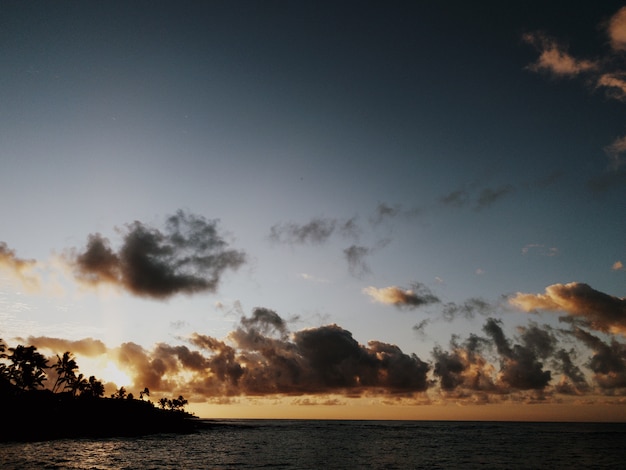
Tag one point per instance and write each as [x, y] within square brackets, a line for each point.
[301, 444]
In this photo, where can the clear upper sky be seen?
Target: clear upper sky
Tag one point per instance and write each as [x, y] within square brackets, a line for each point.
[384, 209]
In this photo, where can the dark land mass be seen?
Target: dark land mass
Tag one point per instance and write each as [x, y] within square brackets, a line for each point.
[42, 415]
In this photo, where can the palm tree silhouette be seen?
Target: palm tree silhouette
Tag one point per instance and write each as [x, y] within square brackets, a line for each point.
[65, 368]
[27, 368]
[93, 388]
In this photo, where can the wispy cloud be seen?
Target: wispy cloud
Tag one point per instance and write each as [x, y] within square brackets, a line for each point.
[20, 270]
[606, 73]
[540, 249]
[317, 231]
[188, 257]
[555, 59]
[479, 199]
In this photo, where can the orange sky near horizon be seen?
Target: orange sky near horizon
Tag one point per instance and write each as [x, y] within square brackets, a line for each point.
[363, 409]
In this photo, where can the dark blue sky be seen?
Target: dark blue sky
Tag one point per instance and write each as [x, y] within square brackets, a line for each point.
[354, 151]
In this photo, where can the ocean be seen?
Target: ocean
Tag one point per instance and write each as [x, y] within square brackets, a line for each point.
[310, 444]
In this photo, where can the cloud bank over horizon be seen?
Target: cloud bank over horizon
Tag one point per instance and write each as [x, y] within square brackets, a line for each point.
[263, 357]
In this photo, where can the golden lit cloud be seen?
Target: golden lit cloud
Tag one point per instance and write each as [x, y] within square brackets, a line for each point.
[20, 270]
[601, 311]
[415, 297]
[555, 59]
[617, 266]
[617, 30]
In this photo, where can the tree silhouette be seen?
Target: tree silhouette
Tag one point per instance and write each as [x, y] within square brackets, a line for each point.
[78, 385]
[27, 367]
[93, 388]
[65, 368]
[144, 392]
[120, 394]
[178, 403]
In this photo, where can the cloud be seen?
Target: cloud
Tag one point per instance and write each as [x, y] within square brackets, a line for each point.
[540, 249]
[608, 362]
[616, 149]
[520, 365]
[600, 311]
[617, 30]
[356, 258]
[606, 73]
[617, 266]
[384, 212]
[86, 347]
[608, 180]
[261, 357]
[479, 199]
[467, 309]
[418, 295]
[316, 232]
[555, 59]
[264, 361]
[188, 257]
[19, 269]
[489, 196]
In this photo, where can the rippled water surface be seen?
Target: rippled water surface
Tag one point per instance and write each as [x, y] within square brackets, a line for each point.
[339, 444]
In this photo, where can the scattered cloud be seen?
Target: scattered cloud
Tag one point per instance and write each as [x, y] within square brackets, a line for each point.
[606, 73]
[617, 266]
[478, 198]
[188, 257]
[316, 232]
[616, 149]
[467, 309]
[599, 311]
[417, 296]
[617, 30]
[261, 357]
[20, 270]
[309, 277]
[489, 196]
[608, 362]
[540, 249]
[356, 257]
[555, 59]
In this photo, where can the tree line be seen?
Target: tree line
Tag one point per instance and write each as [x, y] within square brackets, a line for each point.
[23, 369]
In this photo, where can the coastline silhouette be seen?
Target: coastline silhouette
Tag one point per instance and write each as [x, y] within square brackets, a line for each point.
[75, 406]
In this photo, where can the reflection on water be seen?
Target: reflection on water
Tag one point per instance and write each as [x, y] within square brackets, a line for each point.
[338, 444]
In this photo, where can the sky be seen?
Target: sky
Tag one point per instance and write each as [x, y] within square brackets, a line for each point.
[372, 210]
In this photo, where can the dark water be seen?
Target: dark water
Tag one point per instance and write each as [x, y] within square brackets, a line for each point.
[340, 444]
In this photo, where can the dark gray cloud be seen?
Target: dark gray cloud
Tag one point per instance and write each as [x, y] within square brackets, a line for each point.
[573, 381]
[316, 231]
[467, 309]
[188, 257]
[356, 257]
[520, 365]
[608, 362]
[265, 320]
[261, 357]
[383, 212]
